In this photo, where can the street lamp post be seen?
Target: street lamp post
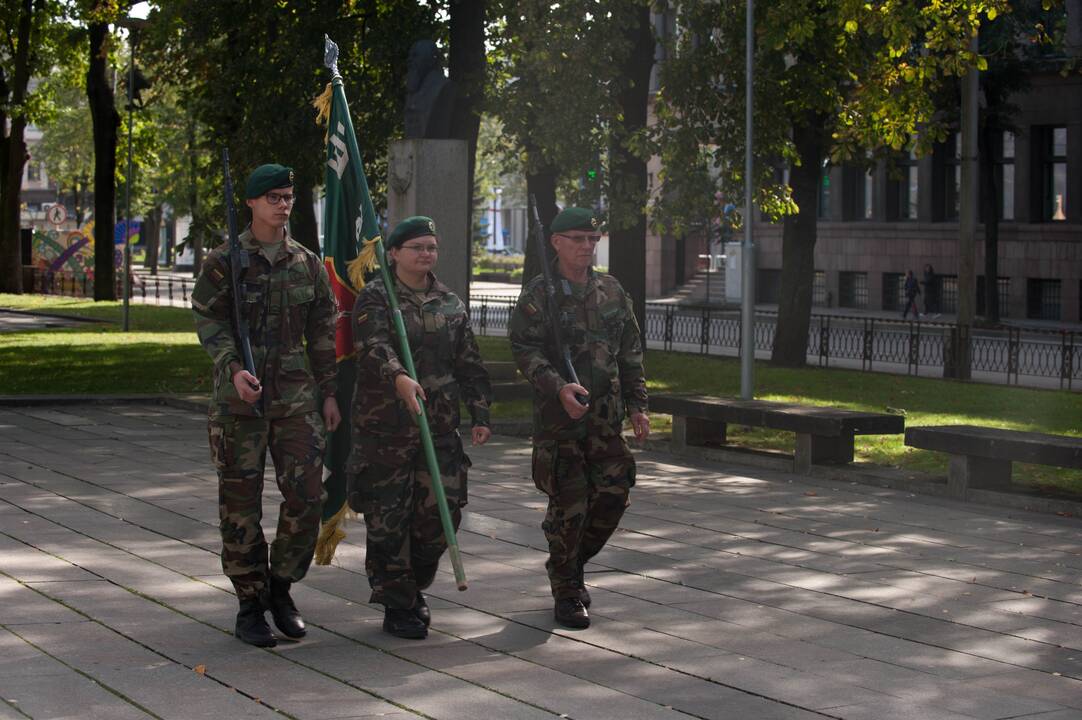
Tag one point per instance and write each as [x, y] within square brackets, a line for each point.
[126, 287]
[747, 305]
[136, 19]
[497, 208]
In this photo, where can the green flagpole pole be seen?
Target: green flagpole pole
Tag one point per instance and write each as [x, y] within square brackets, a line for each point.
[331, 60]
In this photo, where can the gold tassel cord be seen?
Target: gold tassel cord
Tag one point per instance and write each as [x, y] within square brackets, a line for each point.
[364, 263]
[322, 104]
[331, 533]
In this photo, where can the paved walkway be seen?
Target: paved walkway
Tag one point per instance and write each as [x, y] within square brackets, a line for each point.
[728, 593]
[11, 321]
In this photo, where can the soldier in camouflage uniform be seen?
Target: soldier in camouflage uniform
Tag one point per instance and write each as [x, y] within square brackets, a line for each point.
[580, 458]
[291, 313]
[387, 474]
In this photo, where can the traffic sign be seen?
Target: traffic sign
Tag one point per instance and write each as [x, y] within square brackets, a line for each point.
[57, 214]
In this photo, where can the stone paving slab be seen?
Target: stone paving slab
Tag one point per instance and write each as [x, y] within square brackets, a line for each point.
[728, 593]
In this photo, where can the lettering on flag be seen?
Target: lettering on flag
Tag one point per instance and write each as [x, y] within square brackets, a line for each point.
[341, 159]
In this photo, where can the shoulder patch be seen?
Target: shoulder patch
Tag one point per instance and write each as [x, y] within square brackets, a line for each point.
[362, 318]
[530, 309]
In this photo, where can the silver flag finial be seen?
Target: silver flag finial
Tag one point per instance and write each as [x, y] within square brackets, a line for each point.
[330, 54]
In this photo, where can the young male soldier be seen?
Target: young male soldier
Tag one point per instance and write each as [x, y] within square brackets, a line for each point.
[290, 311]
[580, 458]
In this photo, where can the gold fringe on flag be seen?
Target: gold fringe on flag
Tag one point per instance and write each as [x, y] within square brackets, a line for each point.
[331, 533]
[322, 104]
[364, 263]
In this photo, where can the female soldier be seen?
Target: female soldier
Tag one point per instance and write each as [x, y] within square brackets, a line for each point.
[388, 477]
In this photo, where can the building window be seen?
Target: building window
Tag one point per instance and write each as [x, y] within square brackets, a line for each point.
[1005, 176]
[948, 293]
[952, 177]
[893, 291]
[1003, 291]
[908, 187]
[853, 290]
[33, 172]
[767, 286]
[819, 289]
[824, 191]
[1042, 299]
[1054, 174]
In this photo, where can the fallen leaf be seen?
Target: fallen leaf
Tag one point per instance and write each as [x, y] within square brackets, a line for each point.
[810, 493]
[201, 669]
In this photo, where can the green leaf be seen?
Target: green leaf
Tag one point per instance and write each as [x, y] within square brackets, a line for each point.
[851, 27]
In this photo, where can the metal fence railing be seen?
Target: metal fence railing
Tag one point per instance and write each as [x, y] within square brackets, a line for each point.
[1004, 353]
[146, 289]
[917, 347]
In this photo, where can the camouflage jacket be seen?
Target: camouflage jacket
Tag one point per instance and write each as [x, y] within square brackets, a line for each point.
[445, 355]
[290, 310]
[602, 335]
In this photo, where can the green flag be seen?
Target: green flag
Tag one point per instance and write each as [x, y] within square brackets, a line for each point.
[349, 223]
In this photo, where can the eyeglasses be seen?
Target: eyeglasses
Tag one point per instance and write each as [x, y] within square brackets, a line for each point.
[274, 198]
[419, 249]
[580, 239]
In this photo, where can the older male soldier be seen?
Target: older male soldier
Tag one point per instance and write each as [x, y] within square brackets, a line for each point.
[290, 311]
[580, 458]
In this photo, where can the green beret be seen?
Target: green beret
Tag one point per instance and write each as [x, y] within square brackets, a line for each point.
[410, 228]
[574, 218]
[268, 177]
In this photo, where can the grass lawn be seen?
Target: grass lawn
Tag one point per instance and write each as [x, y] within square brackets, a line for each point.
[161, 354]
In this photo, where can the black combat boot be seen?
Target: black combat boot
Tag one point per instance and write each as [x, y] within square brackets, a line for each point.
[571, 614]
[420, 609]
[252, 627]
[404, 624]
[284, 612]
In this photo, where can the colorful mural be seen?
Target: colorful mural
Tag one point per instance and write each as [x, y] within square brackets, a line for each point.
[72, 251]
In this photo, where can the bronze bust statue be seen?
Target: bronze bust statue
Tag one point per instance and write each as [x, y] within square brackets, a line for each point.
[429, 95]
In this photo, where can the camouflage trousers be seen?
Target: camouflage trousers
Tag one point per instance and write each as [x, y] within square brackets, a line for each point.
[390, 484]
[588, 482]
[238, 446]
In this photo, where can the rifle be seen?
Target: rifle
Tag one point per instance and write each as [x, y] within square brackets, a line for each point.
[238, 264]
[552, 306]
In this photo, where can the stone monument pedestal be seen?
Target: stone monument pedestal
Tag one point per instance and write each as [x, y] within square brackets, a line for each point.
[431, 177]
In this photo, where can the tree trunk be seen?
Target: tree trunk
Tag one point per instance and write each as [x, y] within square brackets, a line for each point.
[540, 186]
[798, 248]
[302, 224]
[79, 199]
[628, 177]
[11, 276]
[466, 67]
[151, 233]
[990, 192]
[13, 155]
[106, 121]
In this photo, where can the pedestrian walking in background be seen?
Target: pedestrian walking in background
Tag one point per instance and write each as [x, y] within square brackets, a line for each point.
[290, 311]
[581, 460]
[388, 478]
[912, 290]
[931, 290]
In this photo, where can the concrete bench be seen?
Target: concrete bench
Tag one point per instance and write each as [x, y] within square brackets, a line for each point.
[981, 457]
[824, 435]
